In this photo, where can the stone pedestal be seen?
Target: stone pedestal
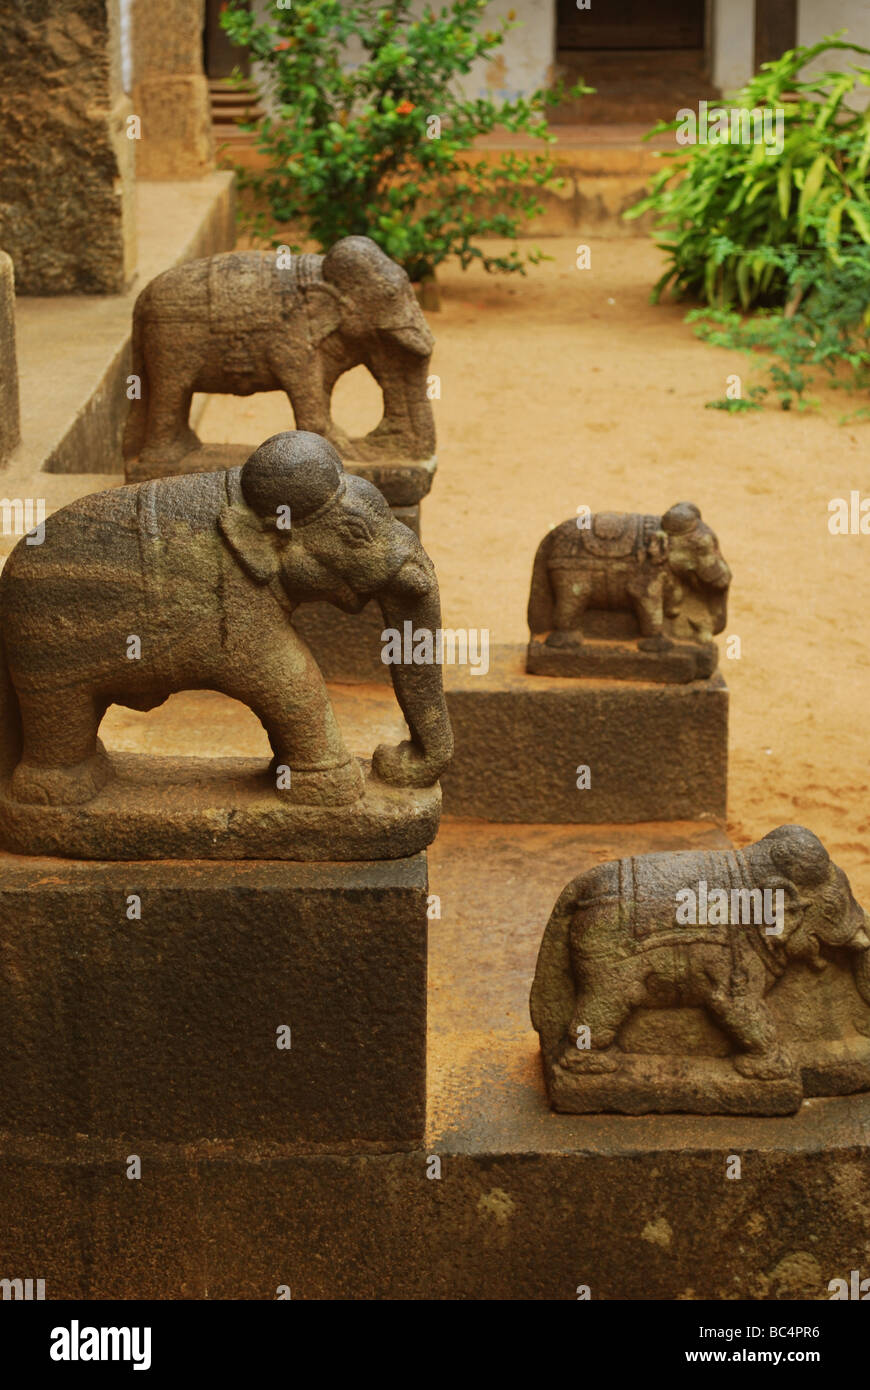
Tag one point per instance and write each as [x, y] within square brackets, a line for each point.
[653, 752]
[170, 91]
[142, 1002]
[10, 420]
[66, 176]
[521, 1203]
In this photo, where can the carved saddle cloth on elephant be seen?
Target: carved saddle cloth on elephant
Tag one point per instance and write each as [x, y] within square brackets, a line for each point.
[639, 895]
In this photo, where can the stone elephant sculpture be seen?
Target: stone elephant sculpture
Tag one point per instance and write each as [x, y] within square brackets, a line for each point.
[648, 566]
[617, 940]
[204, 571]
[241, 322]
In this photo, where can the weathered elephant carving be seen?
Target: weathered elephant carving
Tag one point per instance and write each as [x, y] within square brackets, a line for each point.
[625, 937]
[241, 322]
[202, 573]
[665, 574]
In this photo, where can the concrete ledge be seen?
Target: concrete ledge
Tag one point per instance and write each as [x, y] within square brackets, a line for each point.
[74, 350]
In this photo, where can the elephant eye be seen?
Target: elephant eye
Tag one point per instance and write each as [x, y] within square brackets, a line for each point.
[357, 532]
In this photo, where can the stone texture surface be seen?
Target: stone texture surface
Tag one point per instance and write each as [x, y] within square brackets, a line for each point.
[265, 321]
[654, 752]
[66, 178]
[529, 1204]
[679, 931]
[164, 1027]
[10, 421]
[662, 575]
[200, 575]
[170, 91]
[219, 808]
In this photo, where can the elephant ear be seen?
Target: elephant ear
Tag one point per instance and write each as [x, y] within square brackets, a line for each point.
[323, 312]
[253, 548]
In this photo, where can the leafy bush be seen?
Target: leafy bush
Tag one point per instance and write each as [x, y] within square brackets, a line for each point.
[830, 333]
[379, 149]
[745, 224]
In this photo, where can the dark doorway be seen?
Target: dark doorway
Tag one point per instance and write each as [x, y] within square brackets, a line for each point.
[645, 58]
[627, 24]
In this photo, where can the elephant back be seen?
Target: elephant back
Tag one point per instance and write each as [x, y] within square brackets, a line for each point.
[608, 536]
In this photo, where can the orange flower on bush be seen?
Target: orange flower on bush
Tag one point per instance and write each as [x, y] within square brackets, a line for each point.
[285, 43]
[404, 108]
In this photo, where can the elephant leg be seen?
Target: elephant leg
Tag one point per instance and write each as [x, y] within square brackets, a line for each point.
[748, 1021]
[649, 610]
[169, 436]
[63, 763]
[573, 591]
[289, 697]
[602, 1008]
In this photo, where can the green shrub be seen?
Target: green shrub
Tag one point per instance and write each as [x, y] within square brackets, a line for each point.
[359, 151]
[785, 232]
[745, 224]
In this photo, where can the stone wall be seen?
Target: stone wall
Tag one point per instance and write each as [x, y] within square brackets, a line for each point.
[66, 213]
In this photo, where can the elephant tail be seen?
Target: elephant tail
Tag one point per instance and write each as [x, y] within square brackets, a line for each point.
[137, 420]
[10, 710]
[861, 972]
[540, 610]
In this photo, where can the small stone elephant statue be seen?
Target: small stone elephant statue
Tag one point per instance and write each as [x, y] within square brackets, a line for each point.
[247, 321]
[710, 930]
[202, 573]
[666, 573]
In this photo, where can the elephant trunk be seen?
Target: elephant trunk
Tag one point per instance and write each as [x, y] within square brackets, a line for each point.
[860, 944]
[411, 598]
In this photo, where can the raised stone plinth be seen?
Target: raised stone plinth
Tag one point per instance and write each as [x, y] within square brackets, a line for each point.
[219, 808]
[146, 1002]
[522, 1203]
[651, 752]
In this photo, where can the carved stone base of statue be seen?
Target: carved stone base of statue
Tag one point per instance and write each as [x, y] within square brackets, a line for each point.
[404, 482]
[663, 661]
[176, 1003]
[533, 748]
[225, 808]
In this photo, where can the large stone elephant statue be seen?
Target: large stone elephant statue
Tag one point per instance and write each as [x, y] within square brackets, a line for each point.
[667, 571]
[620, 939]
[189, 583]
[248, 321]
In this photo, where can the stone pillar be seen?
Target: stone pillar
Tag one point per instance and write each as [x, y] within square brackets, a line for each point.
[170, 91]
[66, 175]
[10, 432]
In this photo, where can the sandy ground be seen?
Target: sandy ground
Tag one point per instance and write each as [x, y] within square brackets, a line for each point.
[567, 388]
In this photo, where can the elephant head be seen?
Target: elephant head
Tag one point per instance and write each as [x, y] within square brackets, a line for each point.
[695, 560]
[315, 533]
[819, 906]
[367, 309]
